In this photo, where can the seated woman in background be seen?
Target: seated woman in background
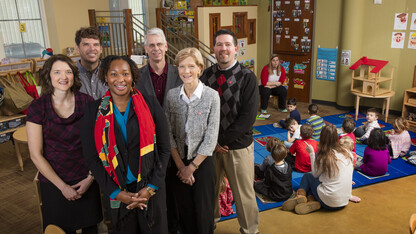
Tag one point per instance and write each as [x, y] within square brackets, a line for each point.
[273, 76]
[70, 196]
[193, 112]
[126, 145]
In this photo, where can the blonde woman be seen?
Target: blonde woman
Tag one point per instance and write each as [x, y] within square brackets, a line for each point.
[272, 78]
[193, 112]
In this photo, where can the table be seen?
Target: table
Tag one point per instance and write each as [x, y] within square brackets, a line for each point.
[19, 137]
[386, 102]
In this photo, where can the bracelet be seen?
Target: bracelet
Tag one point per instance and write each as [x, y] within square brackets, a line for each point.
[193, 164]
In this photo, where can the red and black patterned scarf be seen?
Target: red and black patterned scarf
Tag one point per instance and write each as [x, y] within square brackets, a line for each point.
[105, 141]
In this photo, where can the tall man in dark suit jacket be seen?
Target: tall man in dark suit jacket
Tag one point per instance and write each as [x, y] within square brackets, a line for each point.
[156, 79]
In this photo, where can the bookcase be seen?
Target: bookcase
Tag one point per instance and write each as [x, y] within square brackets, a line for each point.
[409, 106]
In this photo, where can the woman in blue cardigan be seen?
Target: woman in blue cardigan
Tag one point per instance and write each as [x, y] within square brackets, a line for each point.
[193, 112]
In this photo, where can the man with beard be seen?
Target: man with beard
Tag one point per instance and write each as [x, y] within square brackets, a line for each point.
[157, 77]
[89, 47]
[234, 155]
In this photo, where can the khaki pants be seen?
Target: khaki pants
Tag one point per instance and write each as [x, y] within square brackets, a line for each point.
[238, 166]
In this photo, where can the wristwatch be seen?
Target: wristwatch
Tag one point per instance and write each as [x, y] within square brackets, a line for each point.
[150, 190]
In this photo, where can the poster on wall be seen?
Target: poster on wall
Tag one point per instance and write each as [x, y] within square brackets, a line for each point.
[400, 21]
[326, 65]
[397, 40]
[412, 41]
[413, 22]
[345, 57]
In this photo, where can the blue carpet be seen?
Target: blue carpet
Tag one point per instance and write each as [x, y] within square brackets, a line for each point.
[398, 167]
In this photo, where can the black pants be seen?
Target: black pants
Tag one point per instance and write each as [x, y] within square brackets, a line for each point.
[290, 160]
[359, 132]
[265, 93]
[172, 209]
[196, 202]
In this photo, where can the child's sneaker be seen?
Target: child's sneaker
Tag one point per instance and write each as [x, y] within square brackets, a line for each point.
[412, 153]
[277, 125]
[263, 111]
[284, 110]
[308, 207]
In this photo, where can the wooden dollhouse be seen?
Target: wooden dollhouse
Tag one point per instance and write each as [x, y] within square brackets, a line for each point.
[369, 79]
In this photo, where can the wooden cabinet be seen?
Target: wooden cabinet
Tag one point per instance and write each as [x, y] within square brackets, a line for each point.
[9, 124]
[409, 106]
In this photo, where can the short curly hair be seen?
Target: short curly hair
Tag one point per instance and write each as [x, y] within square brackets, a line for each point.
[90, 32]
[45, 73]
[106, 62]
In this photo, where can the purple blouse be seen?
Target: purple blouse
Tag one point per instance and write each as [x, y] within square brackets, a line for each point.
[61, 137]
[376, 162]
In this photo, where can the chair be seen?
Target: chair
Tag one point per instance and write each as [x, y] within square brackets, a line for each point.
[53, 229]
[412, 223]
[38, 195]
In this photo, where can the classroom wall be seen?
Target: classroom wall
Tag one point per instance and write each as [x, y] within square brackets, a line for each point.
[375, 39]
[263, 34]
[64, 18]
[227, 20]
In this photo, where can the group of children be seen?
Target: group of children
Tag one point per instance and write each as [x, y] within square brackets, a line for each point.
[328, 163]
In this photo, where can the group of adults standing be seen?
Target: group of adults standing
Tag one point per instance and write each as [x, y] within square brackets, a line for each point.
[146, 137]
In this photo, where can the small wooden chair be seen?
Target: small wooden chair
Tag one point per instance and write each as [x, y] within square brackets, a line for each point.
[412, 223]
[39, 196]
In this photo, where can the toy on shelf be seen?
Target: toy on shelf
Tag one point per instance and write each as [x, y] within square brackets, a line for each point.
[370, 77]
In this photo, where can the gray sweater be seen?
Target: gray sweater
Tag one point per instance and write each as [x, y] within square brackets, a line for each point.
[203, 122]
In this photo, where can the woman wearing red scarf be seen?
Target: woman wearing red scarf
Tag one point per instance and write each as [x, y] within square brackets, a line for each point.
[126, 146]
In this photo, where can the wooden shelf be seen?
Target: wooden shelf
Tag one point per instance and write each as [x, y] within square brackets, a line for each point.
[409, 108]
[12, 129]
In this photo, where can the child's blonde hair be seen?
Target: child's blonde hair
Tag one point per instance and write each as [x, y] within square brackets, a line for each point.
[400, 124]
[347, 143]
[272, 142]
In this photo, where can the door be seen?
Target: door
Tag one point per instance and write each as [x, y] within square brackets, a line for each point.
[292, 25]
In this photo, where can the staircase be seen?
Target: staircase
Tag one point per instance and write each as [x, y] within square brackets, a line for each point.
[115, 25]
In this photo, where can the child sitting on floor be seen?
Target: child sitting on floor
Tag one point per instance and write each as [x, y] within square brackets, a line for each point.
[298, 157]
[226, 198]
[268, 160]
[348, 126]
[376, 158]
[294, 113]
[329, 183]
[277, 183]
[293, 132]
[315, 121]
[363, 132]
[348, 144]
[399, 140]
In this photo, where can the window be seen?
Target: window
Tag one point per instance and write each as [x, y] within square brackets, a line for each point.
[21, 28]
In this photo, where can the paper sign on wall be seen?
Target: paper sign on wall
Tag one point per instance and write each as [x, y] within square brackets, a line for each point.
[400, 21]
[397, 40]
[413, 22]
[412, 41]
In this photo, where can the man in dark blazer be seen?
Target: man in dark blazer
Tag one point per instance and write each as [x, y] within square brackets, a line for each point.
[157, 77]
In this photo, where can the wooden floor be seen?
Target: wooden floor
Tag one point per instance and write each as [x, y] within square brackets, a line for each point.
[385, 207]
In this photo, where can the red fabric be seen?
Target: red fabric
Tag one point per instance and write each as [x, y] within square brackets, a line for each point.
[30, 89]
[225, 199]
[159, 83]
[350, 135]
[302, 159]
[105, 141]
[265, 75]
